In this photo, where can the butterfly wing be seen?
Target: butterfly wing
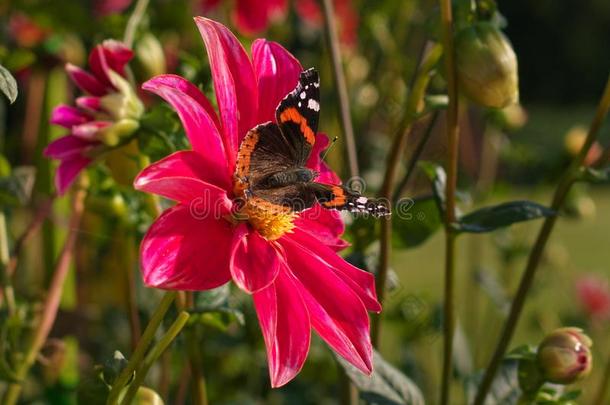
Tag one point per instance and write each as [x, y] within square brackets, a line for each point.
[298, 113]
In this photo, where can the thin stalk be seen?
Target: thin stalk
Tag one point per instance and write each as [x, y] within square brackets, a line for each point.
[422, 76]
[52, 301]
[564, 186]
[134, 21]
[153, 355]
[199, 391]
[130, 280]
[141, 348]
[600, 396]
[7, 285]
[451, 169]
[332, 40]
[419, 150]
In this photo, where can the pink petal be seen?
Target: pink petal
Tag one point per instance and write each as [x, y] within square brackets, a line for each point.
[183, 85]
[89, 130]
[67, 116]
[255, 262]
[277, 73]
[182, 252]
[360, 281]
[92, 104]
[335, 310]
[234, 82]
[323, 224]
[86, 81]
[208, 5]
[179, 177]
[66, 146]
[315, 162]
[67, 171]
[198, 124]
[284, 321]
[110, 55]
[251, 16]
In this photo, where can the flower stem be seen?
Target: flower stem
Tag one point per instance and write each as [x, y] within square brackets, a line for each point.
[451, 169]
[52, 301]
[332, 40]
[134, 21]
[600, 396]
[527, 278]
[153, 355]
[429, 58]
[7, 285]
[141, 348]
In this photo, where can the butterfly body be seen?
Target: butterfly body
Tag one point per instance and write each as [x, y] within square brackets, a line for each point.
[271, 162]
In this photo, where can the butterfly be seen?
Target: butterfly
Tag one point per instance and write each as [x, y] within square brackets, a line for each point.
[271, 158]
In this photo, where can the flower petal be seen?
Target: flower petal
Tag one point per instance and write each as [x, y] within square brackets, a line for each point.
[234, 82]
[67, 116]
[315, 162]
[88, 103]
[110, 55]
[255, 262]
[360, 281]
[323, 224]
[285, 323]
[66, 146]
[182, 252]
[336, 312]
[85, 81]
[180, 177]
[252, 16]
[89, 130]
[67, 171]
[199, 126]
[277, 73]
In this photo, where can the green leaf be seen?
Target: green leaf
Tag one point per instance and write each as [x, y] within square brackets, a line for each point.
[415, 221]
[8, 84]
[499, 216]
[386, 386]
[592, 175]
[17, 188]
[438, 177]
[504, 389]
[211, 300]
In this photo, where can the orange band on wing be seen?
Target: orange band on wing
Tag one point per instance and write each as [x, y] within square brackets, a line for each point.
[339, 198]
[242, 165]
[293, 115]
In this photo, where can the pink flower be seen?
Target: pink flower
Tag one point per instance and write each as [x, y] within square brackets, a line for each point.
[251, 16]
[347, 18]
[107, 7]
[109, 111]
[594, 295]
[287, 261]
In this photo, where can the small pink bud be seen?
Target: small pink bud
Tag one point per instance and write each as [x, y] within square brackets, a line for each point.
[565, 356]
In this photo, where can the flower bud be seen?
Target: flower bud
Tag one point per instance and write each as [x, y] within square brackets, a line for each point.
[486, 66]
[150, 54]
[565, 356]
[124, 103]
[146, 396]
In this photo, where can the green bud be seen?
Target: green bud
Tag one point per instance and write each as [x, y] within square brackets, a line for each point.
[151, 56]
[564, 356]
[113, 134]
[146, 396]
[124, 103]
[486, 66]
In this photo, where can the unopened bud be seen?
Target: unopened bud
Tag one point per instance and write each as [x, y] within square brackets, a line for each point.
[486, 66]
[124, 103]
[112, 135]
[565, 356]
[150, 54]
[146, 396]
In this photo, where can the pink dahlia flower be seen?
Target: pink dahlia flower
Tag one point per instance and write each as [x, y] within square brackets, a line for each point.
[347, 18]
[594, 295]
[288, 262]
[107, 112]
[251, 16]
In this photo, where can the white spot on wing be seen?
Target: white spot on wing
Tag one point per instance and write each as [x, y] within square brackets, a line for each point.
[313, 105]
[303, 95]
[362, 200]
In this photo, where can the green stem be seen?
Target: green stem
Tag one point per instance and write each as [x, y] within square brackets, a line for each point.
[51, 305]
[527, 278]
[429, 59]
[335, 53]
[141, 348]
[600, 396]
[451, 169]
[7, 285]
[153, 355]
[134, 21]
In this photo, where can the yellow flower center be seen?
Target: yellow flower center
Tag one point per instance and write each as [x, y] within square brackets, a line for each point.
[270, 220]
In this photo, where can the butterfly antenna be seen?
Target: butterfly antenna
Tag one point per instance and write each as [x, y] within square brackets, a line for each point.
[332, 143]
